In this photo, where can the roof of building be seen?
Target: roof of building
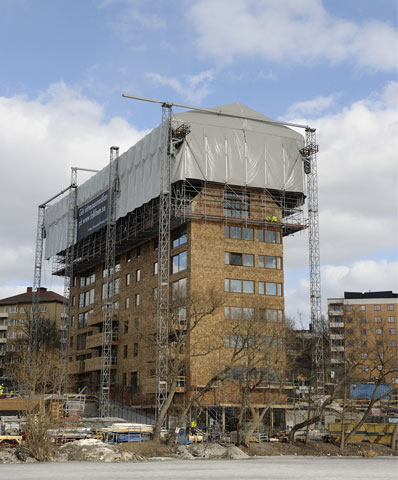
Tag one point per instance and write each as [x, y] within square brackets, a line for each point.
[359, 295]
[26, 297]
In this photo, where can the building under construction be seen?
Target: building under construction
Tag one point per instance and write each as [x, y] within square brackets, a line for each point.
[172, 251]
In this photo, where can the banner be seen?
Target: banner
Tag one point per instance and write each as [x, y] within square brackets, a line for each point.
[92, 216]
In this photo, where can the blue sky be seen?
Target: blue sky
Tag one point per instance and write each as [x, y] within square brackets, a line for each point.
[329, 63]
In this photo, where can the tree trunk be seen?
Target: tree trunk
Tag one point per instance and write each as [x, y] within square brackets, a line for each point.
[257, 418]
[394, 443]
[342, 440]
[163, 412]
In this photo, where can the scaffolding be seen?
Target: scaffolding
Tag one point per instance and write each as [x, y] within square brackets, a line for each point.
[106, 359]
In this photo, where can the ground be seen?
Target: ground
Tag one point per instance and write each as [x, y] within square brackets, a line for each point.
[270, 468]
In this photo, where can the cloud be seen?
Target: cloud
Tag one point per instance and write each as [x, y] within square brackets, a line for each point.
[311, 107]
[194, 89]
[360, 276]
[358, 210]
[40, 139]
[290, 32]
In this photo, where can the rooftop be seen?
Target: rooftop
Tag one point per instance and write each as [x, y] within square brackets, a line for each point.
[359, 295]
[26, 297]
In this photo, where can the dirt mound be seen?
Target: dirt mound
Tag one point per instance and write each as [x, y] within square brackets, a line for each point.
[92, 450]
[210, 451]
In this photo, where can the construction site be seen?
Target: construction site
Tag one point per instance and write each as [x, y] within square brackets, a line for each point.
[173, 322]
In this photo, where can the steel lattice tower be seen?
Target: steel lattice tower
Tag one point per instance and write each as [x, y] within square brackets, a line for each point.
[106, 359]
[164, 261]
[310, 155]
[69, 254]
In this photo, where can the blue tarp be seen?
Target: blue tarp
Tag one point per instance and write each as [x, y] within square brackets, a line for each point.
[365, 391]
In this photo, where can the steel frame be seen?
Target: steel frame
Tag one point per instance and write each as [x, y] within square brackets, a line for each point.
[106, 359]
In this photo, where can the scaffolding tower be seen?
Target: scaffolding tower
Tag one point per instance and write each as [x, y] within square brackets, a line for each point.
[106, 359]
[310, 167]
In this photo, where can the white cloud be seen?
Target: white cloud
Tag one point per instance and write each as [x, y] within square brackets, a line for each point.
[311, 107]
[40, 139]
[290, 31]
[358, 210]
[194, 88]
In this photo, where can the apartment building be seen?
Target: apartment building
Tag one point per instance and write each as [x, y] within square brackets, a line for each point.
[15, 314]
[237, 189]
[363, 327]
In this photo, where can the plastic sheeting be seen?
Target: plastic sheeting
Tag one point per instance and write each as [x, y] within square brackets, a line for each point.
[220, 149]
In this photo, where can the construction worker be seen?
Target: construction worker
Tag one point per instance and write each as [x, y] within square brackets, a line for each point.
[1, 390]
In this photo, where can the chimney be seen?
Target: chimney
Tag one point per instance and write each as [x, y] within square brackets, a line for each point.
[29, 290]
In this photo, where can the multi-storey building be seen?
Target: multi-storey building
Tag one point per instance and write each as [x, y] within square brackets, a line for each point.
[15, 313]
[237, 191]
[363, 328]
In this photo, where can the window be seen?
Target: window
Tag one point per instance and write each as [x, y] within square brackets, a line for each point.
[155, 293]
[86, 298]
[236, 204]
[271, 315]
[126, 326]
[73, 301]
[22, 309]
[137, 299]
[72, 321]
[21, 322]
[138, 275]
[87, 278]
[12, 322]
[179, 262]
[363, 331]
[128, 256]
[363, 319]
[71, 341]
[155, 268]
[270, 288]
[392, 331]
[364, 355]
[391, 319]
[113, 289]
[13, 309]
[349, 331]
[138, 252]
[349, 319]
[155, 243]
[393, 343]
[81, 341]
[378, 331]
[124, 379]
[239, 233]
[269, 262]
[179, 236]
[238, 313]
[125, 350]
[128, 278]
[127, 302]
[390, 307]
[43, 309]
[362, 307]
[179, 289]
[11, 334]
[366, 368]
[242, 259]
[135, 350]
[377, 319]
[377, 307]
[239, 286]
[82, 320]
[348, 308]
[134, 382]
[269, 236]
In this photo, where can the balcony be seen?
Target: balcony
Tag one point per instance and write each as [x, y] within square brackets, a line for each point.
[337, 349]
[76, 367]
[3, 328]
[336, 336]
[336, 312]
[95, 341]
[97, 319]
[3, 340]
[336, 324]
[92, 364]
[337, 360]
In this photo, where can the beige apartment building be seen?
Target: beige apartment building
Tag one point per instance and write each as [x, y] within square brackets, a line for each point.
[15, 313]
[363, 328]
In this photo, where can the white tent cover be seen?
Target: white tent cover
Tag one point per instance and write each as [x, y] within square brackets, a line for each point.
[235, 151]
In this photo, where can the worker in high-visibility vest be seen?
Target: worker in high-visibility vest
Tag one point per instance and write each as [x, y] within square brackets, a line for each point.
[1, 390]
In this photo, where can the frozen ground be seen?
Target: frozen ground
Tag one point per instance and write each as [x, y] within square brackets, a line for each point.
[269, 468]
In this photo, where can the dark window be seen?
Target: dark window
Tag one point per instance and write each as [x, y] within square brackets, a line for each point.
[135, 350]
[126, 326]
[138, 252]
[179, 236]
[134, 381]
[125, 349]
[236, 204]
